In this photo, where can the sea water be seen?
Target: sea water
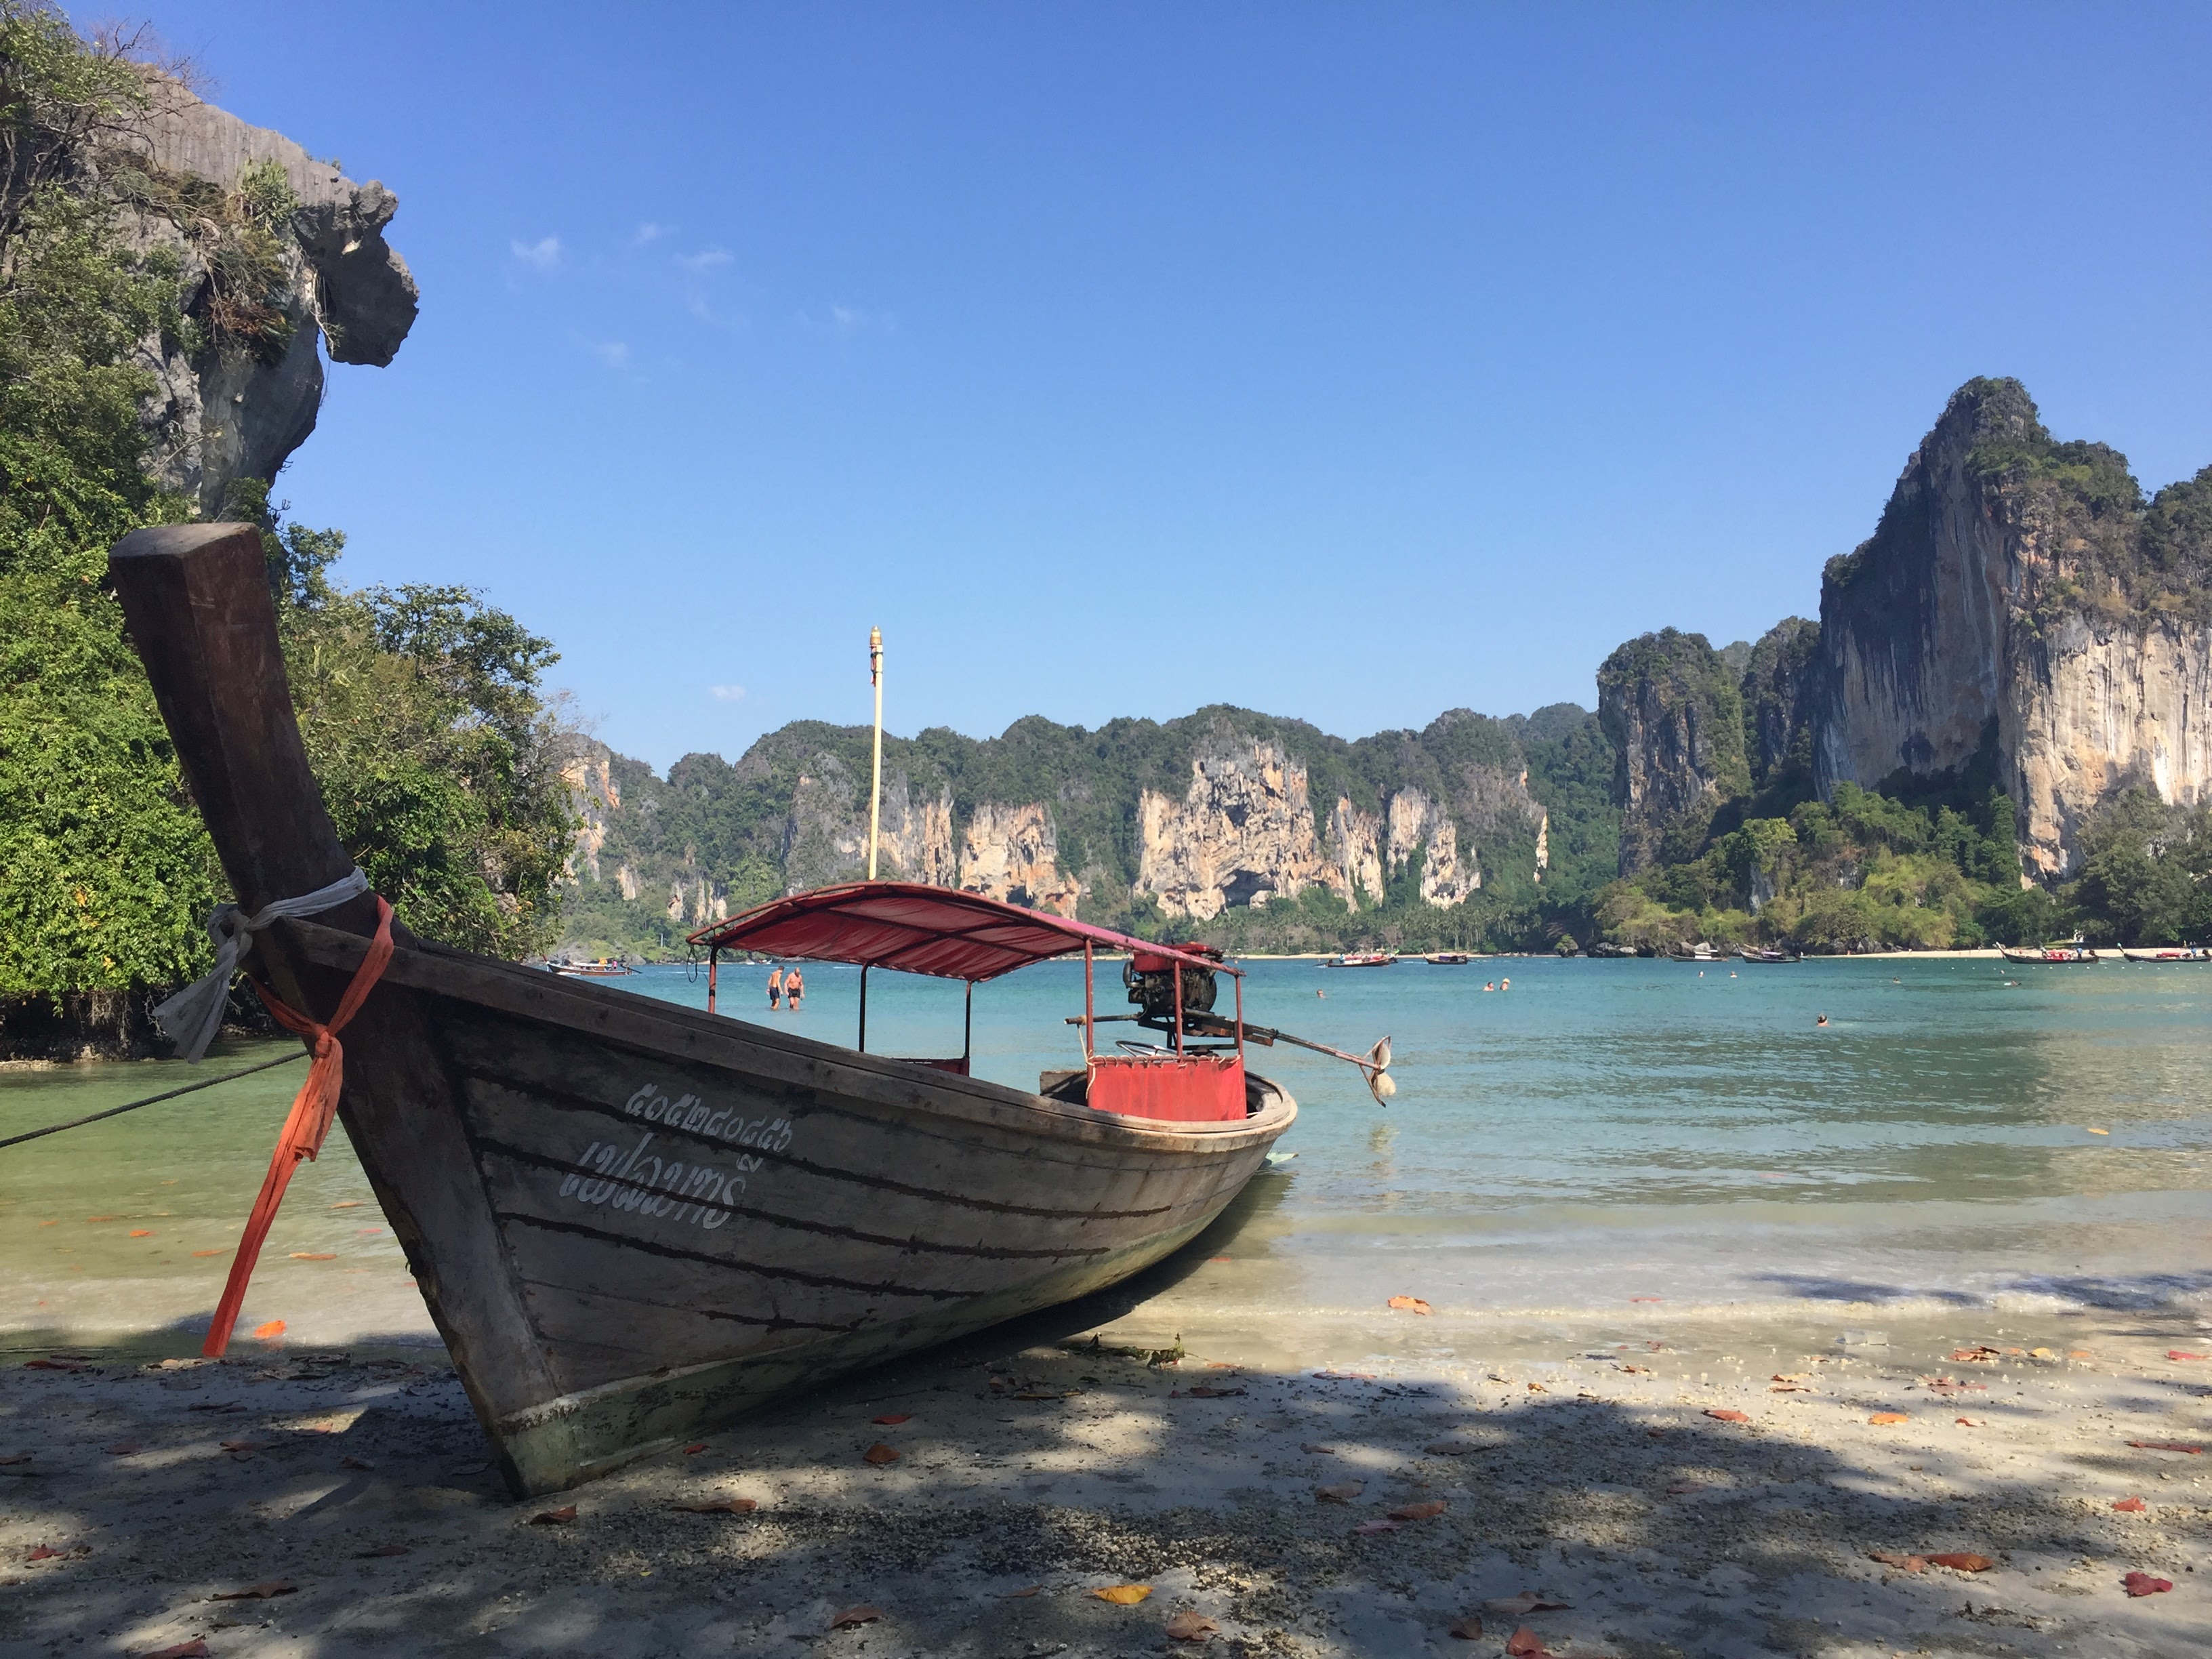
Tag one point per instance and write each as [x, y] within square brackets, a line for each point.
[1682, 1140]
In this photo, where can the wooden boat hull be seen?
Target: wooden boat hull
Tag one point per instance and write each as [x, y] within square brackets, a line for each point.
[632, 1221]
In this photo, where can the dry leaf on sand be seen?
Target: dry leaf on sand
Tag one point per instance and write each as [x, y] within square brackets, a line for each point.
[195, 1649]
[719, 1506]
[1192, 1627]
[863, 1614]
[2130, 1506]
[2177, 1353]
[1468, 1629]
[1123, 1595]
[1968, 1422]
[2167, 1445]
[1727, 1416]
[559, 1517]
[1343, 1493]
[1525, 1644]
[1902, 1563]
[879, 1453]
[1962, 1561]
[1428, 1512]
[1521, 1605]
[894, 1419]
[1886, 1418]
[1022, 1595]
[694, 1449]
[270, 1331]
[2142, 1583]
[262, 1591]
[1410, 1304]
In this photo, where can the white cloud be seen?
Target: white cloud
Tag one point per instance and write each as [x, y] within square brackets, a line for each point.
[726, 693]
[647, 232]
[700, 263]
[612, 354]
[541, 255]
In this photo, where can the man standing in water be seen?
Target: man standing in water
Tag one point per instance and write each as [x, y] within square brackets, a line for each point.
[794, 988]
[776, 986]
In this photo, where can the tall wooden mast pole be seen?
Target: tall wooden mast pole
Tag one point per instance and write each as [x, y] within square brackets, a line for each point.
[876, 776]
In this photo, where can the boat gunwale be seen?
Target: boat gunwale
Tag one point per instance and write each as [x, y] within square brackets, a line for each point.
[672, 1031]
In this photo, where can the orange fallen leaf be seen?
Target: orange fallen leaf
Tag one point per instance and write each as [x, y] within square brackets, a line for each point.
[1646, 1298]
[1191, 1627]
[314, 1256]
[1728, 1416]
[1890, 1417]
[1468, 1629]
[2167, 1445]
[1638, 1371]
[2171, 1353]
[894, 1419]
[270, 1331]
[1343, 1493]
[382, 1550]
[267, 1590]
[147, 1232]
[2142, 1583]
[694, 1448]
[103, 1218]
[1123, 1595]
[862, 1615]
[244, 1445]
[348, 1204]
[1538, 1388]
[1410, 1304]
[195, 1649]
[559, 1517]
[1962, 1561]
[1428, 1512]
[43, 1553]
[1969, 1422]
[1525, 1644]
[720, 1506]
[1903, 1563]
[210, 1252]
[881, 1453]
[2129, 1505]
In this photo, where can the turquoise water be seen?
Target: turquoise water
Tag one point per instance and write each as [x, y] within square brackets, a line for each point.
[1600, 1134]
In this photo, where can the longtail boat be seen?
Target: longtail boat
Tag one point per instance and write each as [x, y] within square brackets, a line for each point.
[632, 1221]
[2066, 953]
[2167, 953]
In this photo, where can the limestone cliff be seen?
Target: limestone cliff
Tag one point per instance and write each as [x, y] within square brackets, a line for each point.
[1673, 713]
[1778, 688]
[228, 406]
[1010, 853]
[1242, 833]
[2021, 587]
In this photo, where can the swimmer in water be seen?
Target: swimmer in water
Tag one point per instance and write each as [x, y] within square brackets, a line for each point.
[1823, 1020]
[1504, 984]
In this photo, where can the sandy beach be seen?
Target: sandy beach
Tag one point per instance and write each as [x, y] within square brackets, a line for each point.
[1318, 1511]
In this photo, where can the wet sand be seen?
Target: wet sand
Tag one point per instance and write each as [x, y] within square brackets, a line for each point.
[1040, 1462]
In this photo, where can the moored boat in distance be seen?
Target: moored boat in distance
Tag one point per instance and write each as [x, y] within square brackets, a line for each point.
[1758, 953]
[1362, 959]
[2061, 953]
[1449, 959]
[630, 1220]
[590, 967]
[2168, 953]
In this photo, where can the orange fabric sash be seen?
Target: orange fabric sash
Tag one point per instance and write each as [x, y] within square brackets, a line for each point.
[309, 1125]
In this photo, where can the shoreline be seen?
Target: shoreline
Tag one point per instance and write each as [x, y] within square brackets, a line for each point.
[1040, 1462]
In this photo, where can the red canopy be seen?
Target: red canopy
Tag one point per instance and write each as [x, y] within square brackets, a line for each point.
[918, 930]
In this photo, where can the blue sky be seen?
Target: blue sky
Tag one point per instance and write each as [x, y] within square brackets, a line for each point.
[1351, 363]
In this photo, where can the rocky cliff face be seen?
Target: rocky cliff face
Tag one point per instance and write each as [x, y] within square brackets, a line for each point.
[1012, 854]
[1779, 682]
[230, 413]
[1243, 833]
[2019, 587]
[1674, 714]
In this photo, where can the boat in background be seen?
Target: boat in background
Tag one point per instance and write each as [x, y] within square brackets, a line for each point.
[1449, 959]
[1362, 959]
[590, 967]
[2168, 953]
[2062, 953]
[1760, 954]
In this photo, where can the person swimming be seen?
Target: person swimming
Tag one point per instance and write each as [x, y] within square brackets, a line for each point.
[1823, 1020]
[774, 987]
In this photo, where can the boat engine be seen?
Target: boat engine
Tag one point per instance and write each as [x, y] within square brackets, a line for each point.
[1152, 982]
